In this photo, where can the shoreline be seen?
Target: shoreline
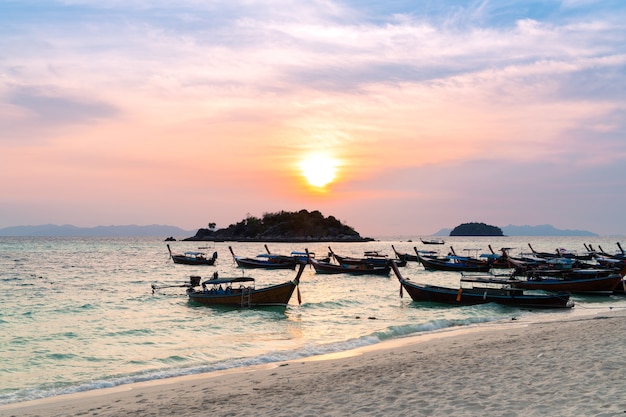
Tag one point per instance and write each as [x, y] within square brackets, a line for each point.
[568, 366]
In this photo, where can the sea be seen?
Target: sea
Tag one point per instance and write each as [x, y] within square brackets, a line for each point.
[79, 314]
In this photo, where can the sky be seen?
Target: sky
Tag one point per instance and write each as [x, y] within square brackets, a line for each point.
[417, 116]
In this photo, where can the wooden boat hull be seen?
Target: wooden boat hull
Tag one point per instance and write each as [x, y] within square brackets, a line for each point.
[512, 297]
[377, 261]
[354, 261]
[184, 260]
[464, 297]
[276, 295]
[253, 263]
[592, 285]
[326, 268]
[440, 265]
[271, 296]
[432, 241]
[194, 258]
[272, 262]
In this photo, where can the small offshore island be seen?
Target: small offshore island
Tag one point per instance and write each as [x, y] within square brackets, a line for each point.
[476, 229]
[301, 226]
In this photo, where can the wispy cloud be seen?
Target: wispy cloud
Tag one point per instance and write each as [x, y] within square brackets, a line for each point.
[428, 83]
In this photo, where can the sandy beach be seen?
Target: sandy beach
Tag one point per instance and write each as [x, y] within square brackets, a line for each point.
[554, 368]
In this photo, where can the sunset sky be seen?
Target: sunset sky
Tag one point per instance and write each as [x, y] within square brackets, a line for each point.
[420, 115]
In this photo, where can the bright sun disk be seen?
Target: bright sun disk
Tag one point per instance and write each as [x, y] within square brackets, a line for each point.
[319, 170]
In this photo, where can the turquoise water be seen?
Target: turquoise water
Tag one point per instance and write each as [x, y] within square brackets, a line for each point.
[79, 313]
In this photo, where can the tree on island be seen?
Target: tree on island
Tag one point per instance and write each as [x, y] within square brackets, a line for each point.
[476, 229]
[284, 226]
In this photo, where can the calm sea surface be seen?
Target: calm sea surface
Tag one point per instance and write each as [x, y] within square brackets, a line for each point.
[79, 313]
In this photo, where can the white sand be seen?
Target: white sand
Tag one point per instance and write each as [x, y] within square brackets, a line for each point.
[557, 368]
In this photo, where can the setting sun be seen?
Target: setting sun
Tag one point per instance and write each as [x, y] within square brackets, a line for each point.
[319, 170]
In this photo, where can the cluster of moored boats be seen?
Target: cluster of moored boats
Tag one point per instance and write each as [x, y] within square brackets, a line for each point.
[533, 280]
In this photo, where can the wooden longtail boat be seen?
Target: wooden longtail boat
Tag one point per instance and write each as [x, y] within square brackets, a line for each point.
[404, 255]
[299, 257]
[192, 258]
[266, 261]
[239, 291]
[369, 258]
[354, 269]
[434, 241]
[609, 262]
[498, 260]
[543, 254]
[453, 263]
[582, 281]
[480, 291]
[531, 264]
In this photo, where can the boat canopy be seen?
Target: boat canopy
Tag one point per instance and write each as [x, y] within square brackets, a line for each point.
[269, 256]
[188, 253]
[218, 281]
[459, 258]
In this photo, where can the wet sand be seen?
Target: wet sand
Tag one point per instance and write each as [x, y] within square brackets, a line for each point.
[571, 367]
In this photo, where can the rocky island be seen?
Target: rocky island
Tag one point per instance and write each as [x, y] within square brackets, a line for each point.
[476, 229]
[301, 226]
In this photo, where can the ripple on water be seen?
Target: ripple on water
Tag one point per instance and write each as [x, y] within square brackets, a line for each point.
[80, 314]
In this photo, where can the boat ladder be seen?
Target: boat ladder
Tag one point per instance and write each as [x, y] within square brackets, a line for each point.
[246, 297]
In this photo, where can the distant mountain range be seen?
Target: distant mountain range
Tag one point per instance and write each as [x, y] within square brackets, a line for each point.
[541, 230]
[67, 230]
